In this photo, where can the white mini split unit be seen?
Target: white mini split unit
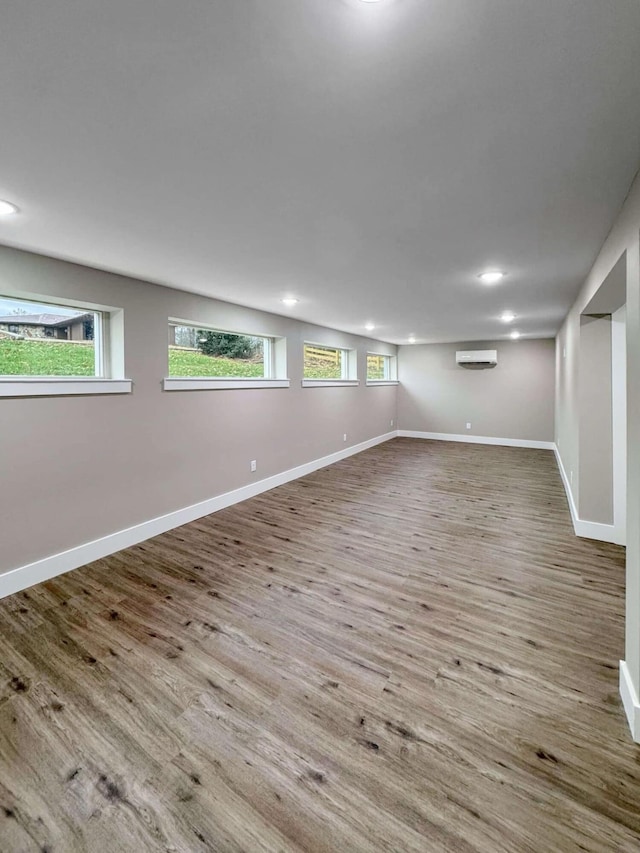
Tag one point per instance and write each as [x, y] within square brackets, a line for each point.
[478, 359]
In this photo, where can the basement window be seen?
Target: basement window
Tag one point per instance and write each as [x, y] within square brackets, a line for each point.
[325, 365]
[382, 369]
[202, 358]
[52, 349]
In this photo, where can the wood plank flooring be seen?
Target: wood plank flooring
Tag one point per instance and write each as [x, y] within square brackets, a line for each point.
[407, 651]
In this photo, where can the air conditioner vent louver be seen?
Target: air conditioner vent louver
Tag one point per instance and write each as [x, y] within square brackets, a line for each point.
[477, 359]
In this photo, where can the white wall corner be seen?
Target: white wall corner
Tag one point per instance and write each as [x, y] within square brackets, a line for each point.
[567, 487]
[629, 697]
[587, 529]
[25, 576]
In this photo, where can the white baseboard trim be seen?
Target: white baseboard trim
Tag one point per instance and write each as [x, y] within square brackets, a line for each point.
[477, 439]
[630, 701]
[587, 529]
[47, 568]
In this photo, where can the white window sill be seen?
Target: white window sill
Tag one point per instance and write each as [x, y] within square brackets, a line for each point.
[61, 386]
[206, 383]
[328, 383]
[382, 382]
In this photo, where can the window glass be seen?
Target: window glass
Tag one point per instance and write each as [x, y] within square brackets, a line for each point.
[377, 366]
[325, 362]
[381, 367]
[40, 339]
[195, 351]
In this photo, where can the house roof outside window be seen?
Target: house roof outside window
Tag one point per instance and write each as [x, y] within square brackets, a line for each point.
[49, 320]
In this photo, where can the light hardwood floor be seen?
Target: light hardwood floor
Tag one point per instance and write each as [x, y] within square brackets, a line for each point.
[407, 651]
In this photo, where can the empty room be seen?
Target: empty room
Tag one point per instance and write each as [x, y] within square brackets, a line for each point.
[320, 426]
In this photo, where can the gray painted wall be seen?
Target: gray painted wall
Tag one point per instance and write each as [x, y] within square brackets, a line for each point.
[513, 400]
[623, 238]
[585, 393]
[75, 469]
[595, 462]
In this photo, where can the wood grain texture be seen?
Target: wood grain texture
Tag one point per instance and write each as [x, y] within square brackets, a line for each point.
[407, 651]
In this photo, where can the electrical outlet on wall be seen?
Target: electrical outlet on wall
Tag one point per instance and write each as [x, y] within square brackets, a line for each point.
[391, 421]
[468, 425]
[254, 465]
[344, 437]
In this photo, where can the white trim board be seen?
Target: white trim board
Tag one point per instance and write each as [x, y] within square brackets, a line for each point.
[61, 386]
[202, 383]
[587, 529]
[630, 701]
[25, 576]
[476, 439]
[328, 383]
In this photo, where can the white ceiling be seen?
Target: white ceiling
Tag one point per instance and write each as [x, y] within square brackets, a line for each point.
[370, 158]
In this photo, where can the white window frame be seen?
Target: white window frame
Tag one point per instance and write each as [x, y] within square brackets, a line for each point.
[348, 367]
[274, 360]
[391, 369]
[108, 337]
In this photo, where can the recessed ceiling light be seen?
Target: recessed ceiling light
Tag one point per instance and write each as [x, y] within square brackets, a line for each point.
[7, 209]
[412, 339]
[515, 335]
[507, 316]
[289, 300]
[370, 327]
[491, 276]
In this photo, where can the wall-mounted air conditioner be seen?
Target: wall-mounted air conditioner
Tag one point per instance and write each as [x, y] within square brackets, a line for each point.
[477, 359]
